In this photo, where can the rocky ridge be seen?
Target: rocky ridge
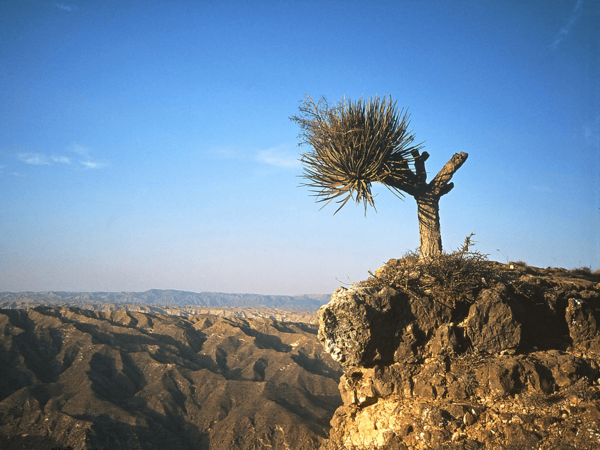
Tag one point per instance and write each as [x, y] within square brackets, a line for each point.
[248, 312]
[163, 298]
[464, 353]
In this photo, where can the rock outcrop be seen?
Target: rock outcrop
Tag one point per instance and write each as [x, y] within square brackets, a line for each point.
[463, 353]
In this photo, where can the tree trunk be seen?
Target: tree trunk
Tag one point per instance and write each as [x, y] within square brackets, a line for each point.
[428, 197]
[430, 236]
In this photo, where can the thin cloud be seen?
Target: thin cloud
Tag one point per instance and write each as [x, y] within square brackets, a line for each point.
[34, 159]
[82, 161]
[278, 157]
[64, 7]
[79, 149]
[61, 159]
[92, 164]
[566, 30]
[86, 161]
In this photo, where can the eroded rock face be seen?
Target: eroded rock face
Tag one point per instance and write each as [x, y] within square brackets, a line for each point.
[491, 324]
[516, 365]
[362, 325]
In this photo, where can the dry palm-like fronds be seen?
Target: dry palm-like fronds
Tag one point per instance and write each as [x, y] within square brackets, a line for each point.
[355, 144]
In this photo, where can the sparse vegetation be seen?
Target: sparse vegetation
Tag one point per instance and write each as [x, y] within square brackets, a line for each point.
[457, 277]
[356, 144]
[449, 277]
[585, 272]
[520, 263]
[582, 271]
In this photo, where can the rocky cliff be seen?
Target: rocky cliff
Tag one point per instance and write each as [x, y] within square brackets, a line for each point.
[464, 353]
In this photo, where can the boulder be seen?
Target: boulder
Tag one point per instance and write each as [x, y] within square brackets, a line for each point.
[492, 325]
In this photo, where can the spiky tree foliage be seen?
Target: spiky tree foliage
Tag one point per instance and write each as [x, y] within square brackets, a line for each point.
[356, 144]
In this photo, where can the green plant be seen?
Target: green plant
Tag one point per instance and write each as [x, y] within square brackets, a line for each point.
[356, 144]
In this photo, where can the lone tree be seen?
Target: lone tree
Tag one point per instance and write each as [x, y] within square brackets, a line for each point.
[355, 144]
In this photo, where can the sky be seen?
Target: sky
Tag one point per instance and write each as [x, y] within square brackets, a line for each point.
[147, 144]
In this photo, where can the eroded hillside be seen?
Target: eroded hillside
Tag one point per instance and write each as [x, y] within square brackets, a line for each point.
[130, 380]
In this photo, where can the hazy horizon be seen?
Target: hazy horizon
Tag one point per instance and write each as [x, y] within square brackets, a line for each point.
[307, 294]
[148, 145]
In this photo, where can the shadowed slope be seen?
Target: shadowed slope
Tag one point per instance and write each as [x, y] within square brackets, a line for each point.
[127, 380]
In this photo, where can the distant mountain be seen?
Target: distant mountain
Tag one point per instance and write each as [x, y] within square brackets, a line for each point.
[168, 297]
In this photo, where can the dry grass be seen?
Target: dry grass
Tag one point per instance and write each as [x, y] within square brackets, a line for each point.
[451, 278]
[586, 273]
[456, 278]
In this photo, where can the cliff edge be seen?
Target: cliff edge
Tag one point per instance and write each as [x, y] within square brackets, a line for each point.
[464, 353]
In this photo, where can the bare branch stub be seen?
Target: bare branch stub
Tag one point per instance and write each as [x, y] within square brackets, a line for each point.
[441, 180]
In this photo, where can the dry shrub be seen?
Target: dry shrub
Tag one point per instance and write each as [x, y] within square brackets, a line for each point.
[585, 273]
[450, 278]
[581, 271]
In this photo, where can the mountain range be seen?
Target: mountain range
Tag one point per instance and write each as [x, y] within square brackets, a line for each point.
[169, 297]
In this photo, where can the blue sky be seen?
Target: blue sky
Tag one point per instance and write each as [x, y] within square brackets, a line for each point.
[147, 144]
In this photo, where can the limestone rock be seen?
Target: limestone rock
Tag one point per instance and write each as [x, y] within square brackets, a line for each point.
[512, 363]
[581, 319]
[362, 326]
[491, 325]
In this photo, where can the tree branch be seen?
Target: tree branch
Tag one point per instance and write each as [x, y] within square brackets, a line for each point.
[447, 188]
[440, 184]
[420, 165]
[409, 184]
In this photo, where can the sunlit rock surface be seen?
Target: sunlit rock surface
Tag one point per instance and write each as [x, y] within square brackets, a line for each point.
[510, 362]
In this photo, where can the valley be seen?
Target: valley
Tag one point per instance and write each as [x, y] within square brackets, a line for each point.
[123, 379]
